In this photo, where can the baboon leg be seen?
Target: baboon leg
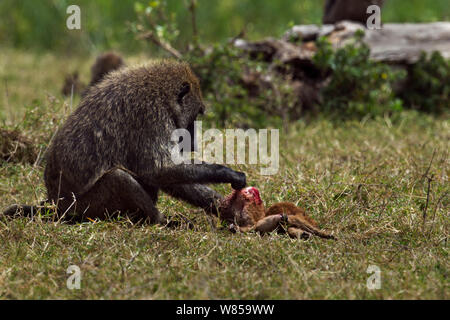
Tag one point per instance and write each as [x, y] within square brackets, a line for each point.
[196, 194]
[297, 233]
[116, 191]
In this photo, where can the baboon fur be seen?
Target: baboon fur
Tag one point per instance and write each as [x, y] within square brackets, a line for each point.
[353, 10]
[113, 153]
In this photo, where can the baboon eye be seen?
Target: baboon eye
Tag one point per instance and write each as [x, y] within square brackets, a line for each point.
[185, 88]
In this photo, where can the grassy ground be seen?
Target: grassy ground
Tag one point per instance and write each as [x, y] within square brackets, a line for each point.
[365, 181]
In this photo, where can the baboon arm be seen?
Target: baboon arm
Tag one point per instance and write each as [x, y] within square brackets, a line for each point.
[195, 173]
[196, 194]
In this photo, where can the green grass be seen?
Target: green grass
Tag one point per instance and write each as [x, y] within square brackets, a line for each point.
[362, 180]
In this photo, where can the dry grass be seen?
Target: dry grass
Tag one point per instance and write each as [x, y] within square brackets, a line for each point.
[367, 182]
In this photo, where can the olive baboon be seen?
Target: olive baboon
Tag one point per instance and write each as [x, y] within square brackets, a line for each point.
[113, 153]
[72, 84]
[104, 64]
[353, 10]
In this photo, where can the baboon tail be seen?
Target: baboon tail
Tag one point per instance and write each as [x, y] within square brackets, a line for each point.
[22, 210]
[18, 209]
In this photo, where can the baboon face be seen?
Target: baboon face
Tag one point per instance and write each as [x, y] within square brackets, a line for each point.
[189, 103]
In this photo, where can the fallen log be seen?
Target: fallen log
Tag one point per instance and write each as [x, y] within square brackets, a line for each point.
[399, 45]
[394, 43]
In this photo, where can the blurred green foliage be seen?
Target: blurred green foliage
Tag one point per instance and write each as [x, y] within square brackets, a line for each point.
[227, 107]
[231, 103]
[428, 86]
[42, 24]
[358, 86]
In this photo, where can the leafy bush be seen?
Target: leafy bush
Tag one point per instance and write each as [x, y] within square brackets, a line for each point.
[220, 70]
[428, 85]
[357, 87]
[256, 102]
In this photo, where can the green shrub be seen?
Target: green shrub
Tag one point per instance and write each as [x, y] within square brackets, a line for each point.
[220, 70]
[428, 85]
[358, 87]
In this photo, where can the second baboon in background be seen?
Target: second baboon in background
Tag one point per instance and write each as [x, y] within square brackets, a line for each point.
[72, 84]
[104, 64]
[353, 10]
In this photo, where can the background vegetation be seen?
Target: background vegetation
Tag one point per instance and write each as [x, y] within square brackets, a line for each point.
[30, 25]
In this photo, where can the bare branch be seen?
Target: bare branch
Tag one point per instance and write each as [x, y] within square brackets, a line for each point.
[192, 6]
[150, 36]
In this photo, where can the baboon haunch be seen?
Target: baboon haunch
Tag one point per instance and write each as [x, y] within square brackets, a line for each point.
[104, 64]
[353, 10]
[113, 153]
[246, 209]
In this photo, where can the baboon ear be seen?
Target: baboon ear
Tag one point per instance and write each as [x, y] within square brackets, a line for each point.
[185, 88]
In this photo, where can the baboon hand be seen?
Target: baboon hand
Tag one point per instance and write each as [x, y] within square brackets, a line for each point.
[240, 181]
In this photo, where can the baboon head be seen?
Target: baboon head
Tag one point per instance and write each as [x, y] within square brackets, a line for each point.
[183, 94]
[104, 64]
[186, 97]
[72, 83]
